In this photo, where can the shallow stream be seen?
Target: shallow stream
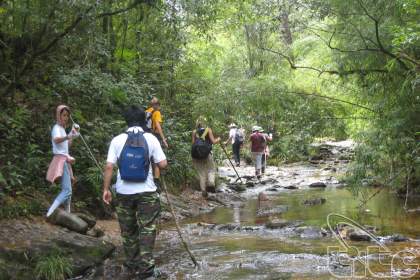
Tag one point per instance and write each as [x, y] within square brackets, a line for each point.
[255, 252]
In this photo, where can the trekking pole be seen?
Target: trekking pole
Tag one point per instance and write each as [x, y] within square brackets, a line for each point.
[178, 229]
[237, 174]
[87, 147]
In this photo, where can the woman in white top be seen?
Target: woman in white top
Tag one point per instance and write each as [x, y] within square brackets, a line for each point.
[60, 166]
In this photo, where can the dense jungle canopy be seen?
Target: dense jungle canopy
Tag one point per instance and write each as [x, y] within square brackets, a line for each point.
[303, 69]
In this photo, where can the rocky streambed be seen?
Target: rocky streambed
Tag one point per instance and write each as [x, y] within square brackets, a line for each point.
[273, 228]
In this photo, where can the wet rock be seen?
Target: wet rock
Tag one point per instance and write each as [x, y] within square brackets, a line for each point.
[311, 232]
[206, 225]
[237, 187]
[318, 185]
[273, 189]
[317, 157]
[291, 187]
[398, 238]
[217, 198]
[228, 227]
[68, 220]
[345, 157]
[315, 161]
[330, 168]
[358, 235]
[281, 223]
[264, 212]
[247, 177]
[250, 184]
[314, 201]
[23, 243]
[249, 228]
[268, 181]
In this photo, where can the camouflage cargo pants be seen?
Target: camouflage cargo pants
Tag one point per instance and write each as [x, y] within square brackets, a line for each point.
[137, 215]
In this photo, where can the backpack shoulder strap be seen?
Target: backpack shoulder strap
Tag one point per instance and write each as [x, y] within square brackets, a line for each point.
[206, 131]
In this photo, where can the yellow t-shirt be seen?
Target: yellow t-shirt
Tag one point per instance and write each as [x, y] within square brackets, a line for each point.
[156, 117]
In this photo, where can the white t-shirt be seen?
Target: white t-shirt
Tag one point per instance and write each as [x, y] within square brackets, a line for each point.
[232, 133]
[155, 151]
[63, 147]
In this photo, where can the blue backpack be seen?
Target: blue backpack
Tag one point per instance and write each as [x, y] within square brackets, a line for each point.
[134, 162]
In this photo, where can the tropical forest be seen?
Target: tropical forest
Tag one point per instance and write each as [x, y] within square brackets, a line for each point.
[209, 139]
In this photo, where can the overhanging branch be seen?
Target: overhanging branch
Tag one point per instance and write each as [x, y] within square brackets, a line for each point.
[322, 71]
[331, 98]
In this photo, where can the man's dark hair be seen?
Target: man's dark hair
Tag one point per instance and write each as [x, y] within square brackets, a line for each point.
[134, 116]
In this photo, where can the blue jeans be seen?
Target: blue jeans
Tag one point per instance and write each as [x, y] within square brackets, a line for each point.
[64, 197]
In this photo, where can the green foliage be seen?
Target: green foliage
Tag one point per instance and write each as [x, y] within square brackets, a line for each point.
[12, 208]
[304, 70]
[53, 267]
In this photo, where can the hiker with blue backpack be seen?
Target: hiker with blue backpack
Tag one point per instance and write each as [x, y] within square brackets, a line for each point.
[202, 159]
[236, 136]
[138, 203]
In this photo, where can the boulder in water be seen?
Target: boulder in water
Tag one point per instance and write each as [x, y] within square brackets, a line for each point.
[291, 187]
[358, 235]
[68, 220]
[318, 185]
[398, 238]
[237, 187]
[281, 223]
[228, 227]
[311, 232]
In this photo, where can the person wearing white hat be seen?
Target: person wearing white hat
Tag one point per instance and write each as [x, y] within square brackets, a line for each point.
[236, 136]
[258, 143]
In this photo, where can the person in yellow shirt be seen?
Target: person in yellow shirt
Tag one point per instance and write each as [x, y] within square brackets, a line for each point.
[154, 121]
[154, 125]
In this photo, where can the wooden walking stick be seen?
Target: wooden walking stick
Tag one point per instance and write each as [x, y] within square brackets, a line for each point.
[178, 229]
[237, 174]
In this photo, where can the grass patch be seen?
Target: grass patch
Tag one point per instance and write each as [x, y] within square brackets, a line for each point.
[53, 267]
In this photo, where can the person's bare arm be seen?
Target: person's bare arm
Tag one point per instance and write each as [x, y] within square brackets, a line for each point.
[162, 164]
[107, 196]
[193, 136]
[211, 137]
[160, 132]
